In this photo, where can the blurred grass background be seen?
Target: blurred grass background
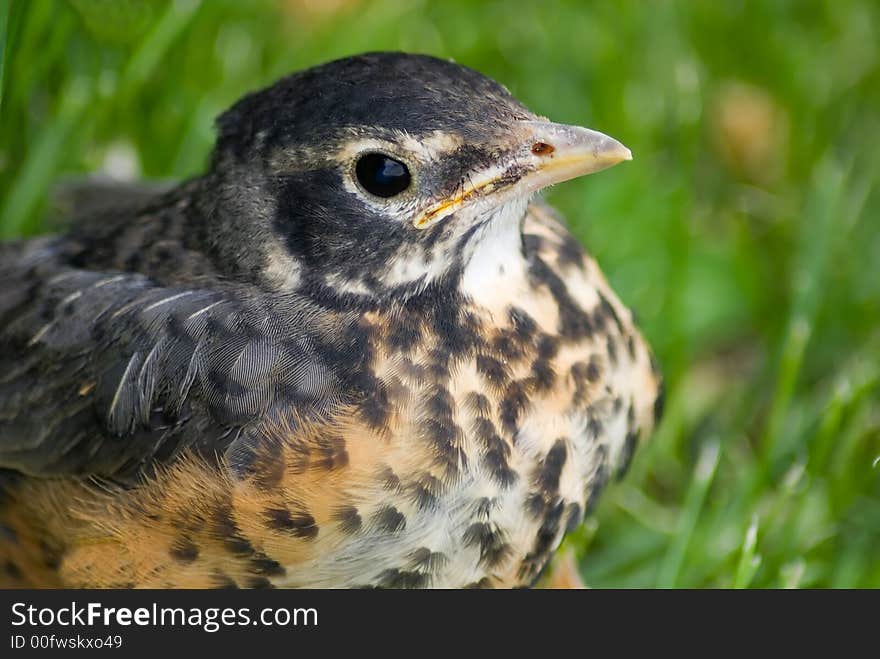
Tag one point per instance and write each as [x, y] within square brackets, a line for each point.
[745, 233]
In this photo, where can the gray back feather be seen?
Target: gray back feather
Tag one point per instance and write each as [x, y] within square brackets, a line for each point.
[105, 373]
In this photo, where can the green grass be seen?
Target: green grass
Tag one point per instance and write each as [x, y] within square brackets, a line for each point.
[746, 232]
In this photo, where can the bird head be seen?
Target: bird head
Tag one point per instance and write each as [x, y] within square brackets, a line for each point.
[381, 174]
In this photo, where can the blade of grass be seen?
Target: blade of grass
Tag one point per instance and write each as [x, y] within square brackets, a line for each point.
[5, 10]
[11, 12]
[749, 559]
[817, 241]
[704, 473]
[167, 28]
[41, 165]
[792, 573]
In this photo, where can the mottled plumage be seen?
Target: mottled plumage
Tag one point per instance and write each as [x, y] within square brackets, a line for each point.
[271, 376]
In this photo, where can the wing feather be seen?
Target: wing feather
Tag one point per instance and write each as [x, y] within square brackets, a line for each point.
[104, 373]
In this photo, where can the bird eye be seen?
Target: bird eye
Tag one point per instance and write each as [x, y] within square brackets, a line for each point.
[382, 175]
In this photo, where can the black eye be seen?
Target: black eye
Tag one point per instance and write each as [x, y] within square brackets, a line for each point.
[382, 175]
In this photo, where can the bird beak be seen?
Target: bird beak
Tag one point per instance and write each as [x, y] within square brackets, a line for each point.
[544, 154]
[560, 153]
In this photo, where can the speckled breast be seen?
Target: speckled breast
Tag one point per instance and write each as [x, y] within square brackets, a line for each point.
[486, 430]
[484, 427]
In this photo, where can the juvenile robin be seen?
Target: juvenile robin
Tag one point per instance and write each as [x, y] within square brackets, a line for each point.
[358, 351]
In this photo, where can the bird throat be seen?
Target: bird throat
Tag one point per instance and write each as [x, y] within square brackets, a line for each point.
[495, 257]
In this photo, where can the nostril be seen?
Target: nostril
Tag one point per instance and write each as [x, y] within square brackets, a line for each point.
[542, 149]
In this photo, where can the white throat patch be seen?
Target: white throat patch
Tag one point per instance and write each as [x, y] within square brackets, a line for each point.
[494, 258]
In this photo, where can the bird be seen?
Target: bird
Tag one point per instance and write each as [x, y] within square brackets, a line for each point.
[359, 351]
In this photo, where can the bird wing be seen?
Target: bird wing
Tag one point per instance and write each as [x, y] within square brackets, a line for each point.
[105, 373]
[85, 197]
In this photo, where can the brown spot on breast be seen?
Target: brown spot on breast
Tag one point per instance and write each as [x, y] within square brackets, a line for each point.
[548, 346]
[269, 567]
[404, 332]
[523, 324]
[258, 583]
[268, 466]
[425, 490]
[396, 578]
[389, 479]
[483, 506]
[12, 570]
[388, 519]
[482, 584]
[184, 550]
[451, 464]
[349, 519]
[659, 402]
[491, 541]
[594, 371]
[427, 561]
[626, 455]
[227, 530]
[496, 455]
[611, 349]
[442, 434]
[220, 580]
[438, 364]
[374, 405]
[532, 244]
[631, 347]
[596, 483]
[574, 516]
[540, 553]
[417, 373]
[495, 372]
[297, 524]
[508, 345]
[569, 253]
[477, 404]
[513, 405]
[330, 453]
[546, 477]
[483, 429]
[439, 404]
[543, 375]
